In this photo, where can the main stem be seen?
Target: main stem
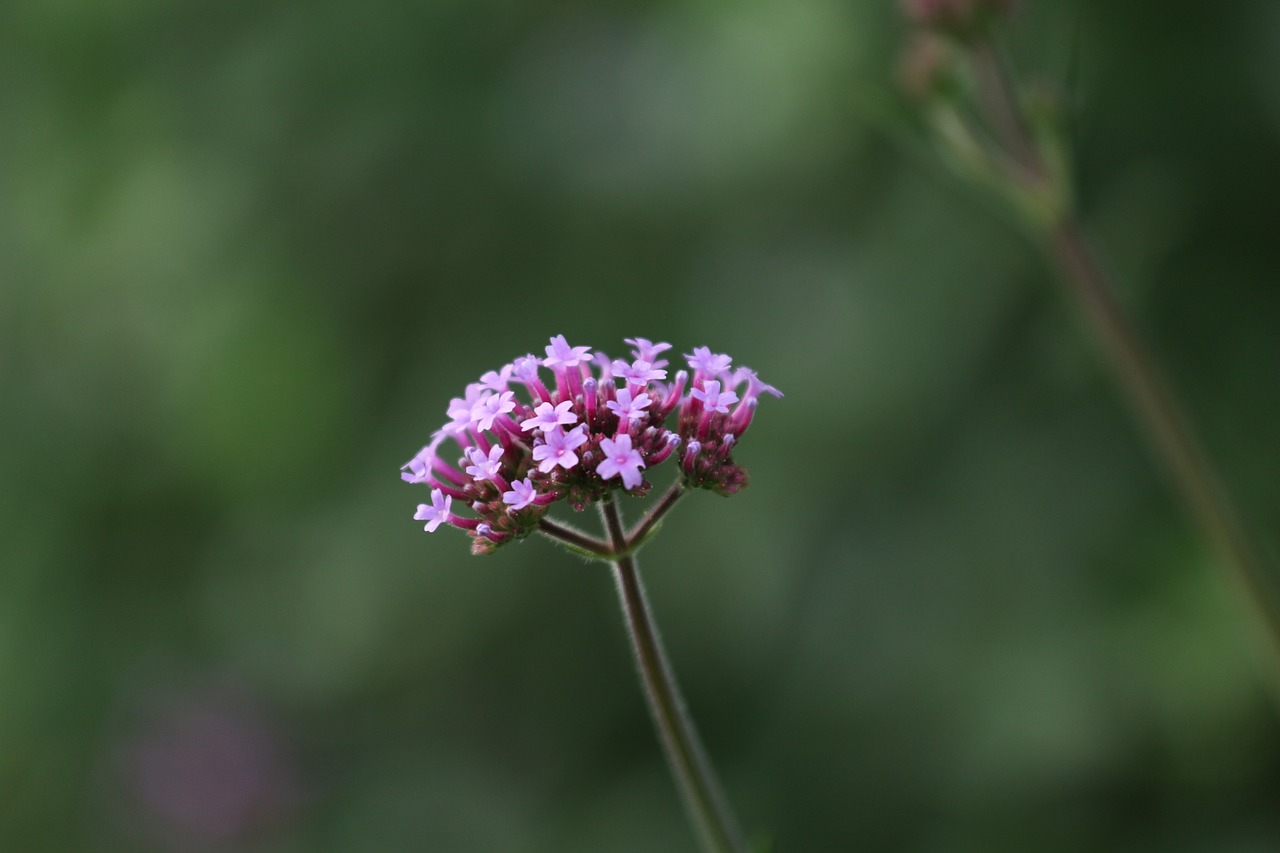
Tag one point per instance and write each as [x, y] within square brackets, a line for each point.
[706, 804]
[1154, 406]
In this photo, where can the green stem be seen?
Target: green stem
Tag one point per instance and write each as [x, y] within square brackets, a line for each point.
[647, 524]
[703, 799]
[1154, 406]
[575, 539]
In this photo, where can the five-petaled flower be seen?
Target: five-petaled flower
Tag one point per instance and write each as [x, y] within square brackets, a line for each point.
[557, 448]
[559, 353]
[484, 466]
[434, 513]
[620, 460]
[548, 417]
[713, 398]
[703, 361]
[639, 372]
[522, 494]
[628, 409]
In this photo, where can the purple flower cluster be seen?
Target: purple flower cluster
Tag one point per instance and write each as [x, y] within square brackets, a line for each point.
[600, 426]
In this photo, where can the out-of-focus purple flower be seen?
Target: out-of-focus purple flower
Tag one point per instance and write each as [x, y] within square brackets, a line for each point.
[206, 771]
[620, 460]
[525, 368]
[461, 408]
[497, 380]
[958, 17]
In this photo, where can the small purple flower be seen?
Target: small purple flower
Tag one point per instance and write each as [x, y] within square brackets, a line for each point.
[525, 368]
[484, 467]
[548, 417]
[628, 409]
[711, 395]
[557, 448]
[435, 513]
[754, 386]
[701, 359]
[639, 372]
[647, 350]
[490, 407]
[620, 460]
[497, 380]
[418, 469]
[522, 494]
[461, 408]
[560, 353]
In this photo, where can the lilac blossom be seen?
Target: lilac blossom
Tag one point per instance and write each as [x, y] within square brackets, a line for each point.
[547, 417]
[525, 368]
[418, 469]
[490, 407]
[702, 361]
[639, 372]
[628, 409]
[435, 513]
[754, 386]
[559, 353]
[522, 494]
[648, 351]
[461, 408]
[497, 380]
[620, 459]
[484, 467]
[713, 398]
[557, 448]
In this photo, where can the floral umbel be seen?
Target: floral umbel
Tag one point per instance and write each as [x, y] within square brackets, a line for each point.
[523, 442]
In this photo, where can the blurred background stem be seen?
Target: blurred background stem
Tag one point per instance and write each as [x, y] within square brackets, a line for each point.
[704, 800]
[1040, 181]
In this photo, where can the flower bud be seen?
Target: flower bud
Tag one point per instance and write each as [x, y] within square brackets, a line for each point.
[960, 18]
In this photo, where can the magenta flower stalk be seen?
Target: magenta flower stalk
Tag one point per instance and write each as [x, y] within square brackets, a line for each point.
[601, 431]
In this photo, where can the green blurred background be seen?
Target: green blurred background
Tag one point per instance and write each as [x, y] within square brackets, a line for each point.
[249, 250]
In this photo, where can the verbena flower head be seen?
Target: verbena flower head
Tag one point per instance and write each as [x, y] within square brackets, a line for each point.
[574, 426]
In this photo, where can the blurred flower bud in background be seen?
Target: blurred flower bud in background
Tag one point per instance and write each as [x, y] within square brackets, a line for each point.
[960, 18]
[202, 768]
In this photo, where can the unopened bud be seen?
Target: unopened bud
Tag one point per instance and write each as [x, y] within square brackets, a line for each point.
[961, 18]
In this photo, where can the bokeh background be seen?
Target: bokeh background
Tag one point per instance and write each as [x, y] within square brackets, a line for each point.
[249, 250]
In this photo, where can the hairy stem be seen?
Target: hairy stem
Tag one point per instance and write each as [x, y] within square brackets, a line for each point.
[575, 538]
[703, 799]
[646, 525]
